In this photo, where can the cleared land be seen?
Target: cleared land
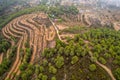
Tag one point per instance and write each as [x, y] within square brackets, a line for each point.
[25, 29]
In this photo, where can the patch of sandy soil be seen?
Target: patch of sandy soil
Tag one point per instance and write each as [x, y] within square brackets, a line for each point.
[63, 36]
[61, 27]
[52, 44]
[117, 26]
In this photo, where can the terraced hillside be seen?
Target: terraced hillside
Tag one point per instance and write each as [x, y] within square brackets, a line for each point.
[27, 31]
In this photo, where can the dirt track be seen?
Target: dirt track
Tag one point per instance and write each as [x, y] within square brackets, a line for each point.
[1, 57]
[104, 67]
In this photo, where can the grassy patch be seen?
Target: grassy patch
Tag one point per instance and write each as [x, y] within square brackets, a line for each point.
[75, 29]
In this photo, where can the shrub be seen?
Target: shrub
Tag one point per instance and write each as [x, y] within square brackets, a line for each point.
[45, 62]
[52, 69]
[40, 75]
[37, 70]
[59, 61]
[102, 60]
[92, 67]
[74, 59]
[53, 78]
[117, 73]
[41, 68]
[44, 77]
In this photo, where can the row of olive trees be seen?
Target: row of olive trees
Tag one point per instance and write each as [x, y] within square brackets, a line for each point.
[4, 45]
[26, 69]
[7, 62]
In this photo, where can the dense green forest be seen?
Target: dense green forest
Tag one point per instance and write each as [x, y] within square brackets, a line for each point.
[5, 4]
